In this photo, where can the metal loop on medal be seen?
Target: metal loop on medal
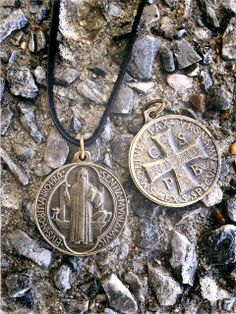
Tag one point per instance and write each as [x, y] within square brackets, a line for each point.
[81, 149]
[153, 112]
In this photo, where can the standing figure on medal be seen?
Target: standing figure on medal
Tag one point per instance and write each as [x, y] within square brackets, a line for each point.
[83, 199]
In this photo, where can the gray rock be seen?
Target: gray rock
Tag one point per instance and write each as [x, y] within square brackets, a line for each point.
[170, 3]
[220, 246]
[229, 5]
[19, 283]
[150, 15]
[2, 88]
[4, 56]
[166, 289]
[231, 208]
[13, 57]
[62, 278]
[75, 124]
[42, 170]
[109, 311]
[17, 170]
[142, 87]
[229, 304]
[78, 305]
[144, 54]
[57, 150]
[22, 82]
[124, 102]
[6, 120]
[23, 245]
[214, 197]
[31, 45]
[120, 149]
[119, 296]
[89, 90]
[179, 81]
[147, 235]
[208, 57]
[208, 8]
[209, 289]
[229, 41]
[15, 21]
[66, 76]
[42, 14]
[185, 54]
[205, 80]
[10, 196]
[183, 258]
[29, 122]
[135, 285]
[40, 40]
[167, 59]
[114, 9]
[218, 99]
[24, 152]
[40, 75]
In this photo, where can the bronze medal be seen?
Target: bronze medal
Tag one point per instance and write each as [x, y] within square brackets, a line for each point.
[81, 208]
[174, 160]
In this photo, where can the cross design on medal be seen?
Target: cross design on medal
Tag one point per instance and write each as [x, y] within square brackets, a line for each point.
[174, 160]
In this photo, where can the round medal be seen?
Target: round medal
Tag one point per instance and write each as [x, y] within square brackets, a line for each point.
[81, 209]
[174, 160]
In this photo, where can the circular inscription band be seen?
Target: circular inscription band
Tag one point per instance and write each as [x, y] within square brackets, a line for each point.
[174, 161]
[81, 209]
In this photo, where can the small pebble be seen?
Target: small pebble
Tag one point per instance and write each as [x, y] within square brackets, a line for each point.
[233, 148]
[197, 101]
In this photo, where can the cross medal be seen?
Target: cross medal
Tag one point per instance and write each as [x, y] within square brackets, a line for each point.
[174, 160]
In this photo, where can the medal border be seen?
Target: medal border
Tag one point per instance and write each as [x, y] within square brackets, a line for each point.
[131, 163]
[88, 164]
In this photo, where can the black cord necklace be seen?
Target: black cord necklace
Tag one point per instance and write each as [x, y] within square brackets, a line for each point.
[81, 208]
[50, 75]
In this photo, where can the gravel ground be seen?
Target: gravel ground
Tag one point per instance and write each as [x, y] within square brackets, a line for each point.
[167, 260]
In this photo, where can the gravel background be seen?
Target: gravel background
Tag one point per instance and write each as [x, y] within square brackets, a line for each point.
[167, 260]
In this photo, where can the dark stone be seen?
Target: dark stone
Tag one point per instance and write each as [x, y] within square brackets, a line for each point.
[218, 99]
[220, 246]
[19, 283]
[99, 70]
[185, 54]
[42, 14]
[208, 9]
[21, 82]
[15, 21]
[27, 300]
[167, 59]
[120, 149]
[143, 57]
